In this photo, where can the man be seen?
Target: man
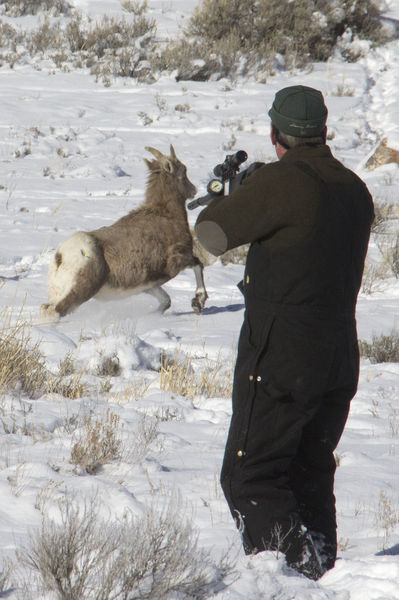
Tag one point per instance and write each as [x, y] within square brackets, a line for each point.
[308, 220]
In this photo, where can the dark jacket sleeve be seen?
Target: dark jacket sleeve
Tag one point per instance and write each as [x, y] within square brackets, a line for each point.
[263, 206]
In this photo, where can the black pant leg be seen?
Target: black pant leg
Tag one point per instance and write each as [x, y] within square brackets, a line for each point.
[256, 483]
[312, 471]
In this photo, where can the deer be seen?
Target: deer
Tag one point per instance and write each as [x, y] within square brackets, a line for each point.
[140, 252]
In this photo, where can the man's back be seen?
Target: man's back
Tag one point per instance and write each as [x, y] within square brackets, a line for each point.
[308, 219]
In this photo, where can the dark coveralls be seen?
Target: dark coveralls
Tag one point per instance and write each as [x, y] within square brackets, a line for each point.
[308, 219]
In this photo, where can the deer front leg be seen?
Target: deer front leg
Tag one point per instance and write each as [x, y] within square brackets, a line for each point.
[198, 302]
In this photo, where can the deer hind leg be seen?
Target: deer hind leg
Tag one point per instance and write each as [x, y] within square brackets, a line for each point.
[77, 272]
[198, 302]
[163, 297]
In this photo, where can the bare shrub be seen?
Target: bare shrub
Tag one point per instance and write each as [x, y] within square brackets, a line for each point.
[75, 34]
[373, 276]
[6, 570]
[383, 348]
[20, 8]
[21, 362]
[114, 47]
[113, 34]
[145, 434]
[383, 212]
[69, 554]
[99, 442]
[109, 47]
[109, 366]
[9, 36]
[148, 557]
[135, 7]
[198, 61]
[388, 246]
[46, 37]
[393, 426]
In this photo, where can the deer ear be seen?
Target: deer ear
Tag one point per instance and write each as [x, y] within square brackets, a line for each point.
[167, 165]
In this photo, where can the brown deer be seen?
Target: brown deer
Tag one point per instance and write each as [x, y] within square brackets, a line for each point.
[383, 155]
[138, 253]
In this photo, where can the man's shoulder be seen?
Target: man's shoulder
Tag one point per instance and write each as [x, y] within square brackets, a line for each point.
[271, 170]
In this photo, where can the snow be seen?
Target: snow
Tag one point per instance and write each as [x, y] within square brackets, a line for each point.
[71, 157]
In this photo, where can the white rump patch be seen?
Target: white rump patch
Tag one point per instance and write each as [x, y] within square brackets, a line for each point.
[74, 251]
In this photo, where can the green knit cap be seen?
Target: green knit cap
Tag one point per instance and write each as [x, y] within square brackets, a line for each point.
[299, 111]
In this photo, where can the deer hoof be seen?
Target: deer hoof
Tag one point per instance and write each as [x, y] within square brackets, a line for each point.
[47, 311]
[197, 306]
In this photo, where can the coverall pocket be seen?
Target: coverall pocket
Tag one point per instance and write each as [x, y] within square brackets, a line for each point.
[285, 398]
[298, 363]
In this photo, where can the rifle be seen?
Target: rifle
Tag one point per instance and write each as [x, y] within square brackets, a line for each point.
[225, 172]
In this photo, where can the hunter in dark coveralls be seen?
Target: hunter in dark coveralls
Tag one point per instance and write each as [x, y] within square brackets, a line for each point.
[308, 220]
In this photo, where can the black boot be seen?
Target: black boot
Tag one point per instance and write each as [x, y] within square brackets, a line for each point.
[326, 549]
[302, 555]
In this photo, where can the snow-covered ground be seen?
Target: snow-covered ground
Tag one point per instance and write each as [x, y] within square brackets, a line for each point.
[71, 157]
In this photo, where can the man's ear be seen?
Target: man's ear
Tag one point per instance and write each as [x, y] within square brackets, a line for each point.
[273, 135]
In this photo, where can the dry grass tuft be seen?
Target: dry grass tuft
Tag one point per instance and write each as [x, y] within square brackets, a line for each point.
[70, 387]
[99, 442]
[21, 362]
[386, 518]
[179, 377]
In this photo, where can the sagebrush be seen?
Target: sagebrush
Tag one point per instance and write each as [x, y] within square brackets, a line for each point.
[150, 557]
[108, 47]
[6, 570]
[231, 37]
[224, 38]
[383, 348]
[388, 246]
[20, 8]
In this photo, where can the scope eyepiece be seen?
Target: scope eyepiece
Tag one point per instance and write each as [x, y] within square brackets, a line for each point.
[231, 165]
[240, 157]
